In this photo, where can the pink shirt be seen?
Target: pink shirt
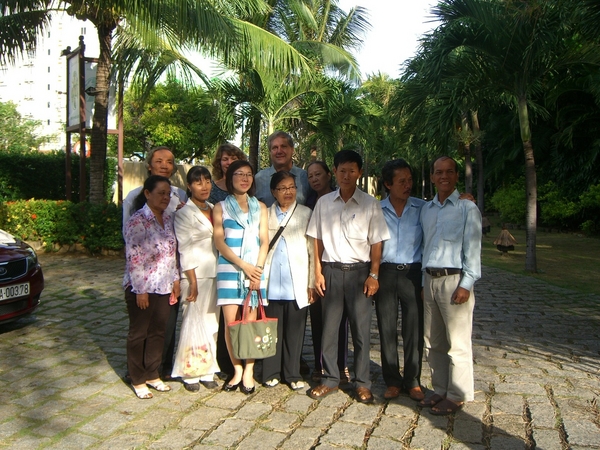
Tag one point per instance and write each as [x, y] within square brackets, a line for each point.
[150, 253]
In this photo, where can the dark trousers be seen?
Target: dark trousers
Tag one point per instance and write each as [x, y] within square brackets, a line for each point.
[404, 287]
[223, 358]
[290, 336]
[345, 292]
[146, 336]
[169, 347]
[316, 326]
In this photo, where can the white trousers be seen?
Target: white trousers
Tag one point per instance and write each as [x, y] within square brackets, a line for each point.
[448, 346]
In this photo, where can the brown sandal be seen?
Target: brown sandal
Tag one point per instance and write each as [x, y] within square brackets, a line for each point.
[431, 401]
[446, 408]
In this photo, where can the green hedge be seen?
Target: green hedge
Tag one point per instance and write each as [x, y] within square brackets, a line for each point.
[60, 222]
[42, 175]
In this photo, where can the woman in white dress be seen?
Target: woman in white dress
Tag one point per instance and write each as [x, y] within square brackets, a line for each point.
[198, 260]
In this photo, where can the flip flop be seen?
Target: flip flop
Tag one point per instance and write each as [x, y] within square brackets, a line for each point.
[431, 401]
[142, 393]
[446, 407]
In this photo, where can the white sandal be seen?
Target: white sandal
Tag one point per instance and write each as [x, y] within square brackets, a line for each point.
[142, 393]
[159, 386]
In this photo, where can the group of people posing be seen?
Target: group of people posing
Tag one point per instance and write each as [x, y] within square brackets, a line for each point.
[286, 238]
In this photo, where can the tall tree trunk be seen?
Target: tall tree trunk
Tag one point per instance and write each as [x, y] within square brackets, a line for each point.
[253, 151]
[467, 151]
[479, 162]
[530, 187]
[99, 128]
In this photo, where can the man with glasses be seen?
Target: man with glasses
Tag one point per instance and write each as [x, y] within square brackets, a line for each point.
[281, 151]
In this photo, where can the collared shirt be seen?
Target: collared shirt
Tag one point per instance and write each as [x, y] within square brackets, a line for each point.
[452, 237]
[406, 235]
[263, 183]
[178, 196]
[281, 285]
[150, 253]
[347, 229]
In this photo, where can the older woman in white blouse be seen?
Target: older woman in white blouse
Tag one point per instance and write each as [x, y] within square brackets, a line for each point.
[291, 281]
[198, 260]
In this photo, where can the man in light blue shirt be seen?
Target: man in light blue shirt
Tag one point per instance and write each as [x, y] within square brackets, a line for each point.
[281, 150]
[452, 264]
[400, 282]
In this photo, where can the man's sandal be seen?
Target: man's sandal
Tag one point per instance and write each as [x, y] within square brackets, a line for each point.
[159, 385]
[431, 401]
[142, 393]
[446, 408]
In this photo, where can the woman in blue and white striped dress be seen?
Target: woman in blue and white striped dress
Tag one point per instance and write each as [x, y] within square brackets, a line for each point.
[241, 236]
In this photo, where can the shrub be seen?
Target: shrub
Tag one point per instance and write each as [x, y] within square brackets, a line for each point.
[60, 222]
[510, 202]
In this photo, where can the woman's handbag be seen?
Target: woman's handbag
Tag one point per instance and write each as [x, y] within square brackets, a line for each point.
[253, 339]
[194, 357]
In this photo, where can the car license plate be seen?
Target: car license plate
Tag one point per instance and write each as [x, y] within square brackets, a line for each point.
[14, 291]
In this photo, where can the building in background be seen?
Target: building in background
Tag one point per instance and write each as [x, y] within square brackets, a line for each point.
[36, 83]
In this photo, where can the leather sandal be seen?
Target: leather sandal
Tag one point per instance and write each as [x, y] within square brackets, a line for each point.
[446, 407]
[416, 393]
[391, 392]
[158, 385]
[321, 391]
[431, 401]
[364, 395]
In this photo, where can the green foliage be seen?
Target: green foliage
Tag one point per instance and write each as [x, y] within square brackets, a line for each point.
[42, 175]
[509, 201]
[18, 134]
[181, 118]
[556, 209]
[60, 222]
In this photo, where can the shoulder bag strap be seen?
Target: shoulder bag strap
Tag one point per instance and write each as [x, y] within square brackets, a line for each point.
[281, 228]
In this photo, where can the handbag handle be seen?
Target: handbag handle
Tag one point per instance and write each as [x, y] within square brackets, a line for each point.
[246, 306]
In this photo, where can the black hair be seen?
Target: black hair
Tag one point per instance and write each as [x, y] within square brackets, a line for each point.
[347, 156]
[149, 185]
[197, 173]
[389, 169]
[278, 177]
[229, 176]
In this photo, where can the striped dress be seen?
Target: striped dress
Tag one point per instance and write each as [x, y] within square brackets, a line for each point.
[227, 273]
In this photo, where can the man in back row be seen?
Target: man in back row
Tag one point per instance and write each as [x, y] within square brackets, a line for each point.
[281, 151]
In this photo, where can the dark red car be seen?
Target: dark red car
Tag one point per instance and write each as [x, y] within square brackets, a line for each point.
[21, 278]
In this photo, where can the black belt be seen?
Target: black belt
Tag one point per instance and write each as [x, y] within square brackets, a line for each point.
[394, 266]
[434, 272]
[344, 266]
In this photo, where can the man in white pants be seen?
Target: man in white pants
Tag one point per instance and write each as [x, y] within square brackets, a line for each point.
[451, 265]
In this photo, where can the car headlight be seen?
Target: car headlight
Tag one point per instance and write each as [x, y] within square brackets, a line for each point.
[32, 259]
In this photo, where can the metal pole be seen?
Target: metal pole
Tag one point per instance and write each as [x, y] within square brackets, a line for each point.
[121, 137]
[82, 124]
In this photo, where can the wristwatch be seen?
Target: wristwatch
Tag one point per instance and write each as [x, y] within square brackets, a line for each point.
[372, 275]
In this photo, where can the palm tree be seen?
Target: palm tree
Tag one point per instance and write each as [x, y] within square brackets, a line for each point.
[515, 48]
[203, 24]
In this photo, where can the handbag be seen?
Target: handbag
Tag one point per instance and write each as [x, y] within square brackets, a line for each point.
[253, 339]
[194, 357]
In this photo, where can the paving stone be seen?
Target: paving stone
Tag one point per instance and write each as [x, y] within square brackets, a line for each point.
[302, 438]
[176, 439]
[228, 400]
[252, 411]
[392, 427]
[57, 424]
[298, 403]
[320, 417]
[204, 418]
[427, 438]
[76, 441]
[546, 439]
[506, 443]
[377, 443]
[401, 408]
[262, 440]
[360, 413]
[229, 432]
[542, 415]
[509, 404]
[280, 421]
[344, 433]
[469, 431]
[461, 446]
[581, 432]
[105, 425]
[12, 427]
[508, 425]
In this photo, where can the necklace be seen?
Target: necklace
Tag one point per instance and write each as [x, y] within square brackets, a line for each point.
[206, 207]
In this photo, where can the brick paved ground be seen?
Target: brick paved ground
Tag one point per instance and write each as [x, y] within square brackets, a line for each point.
[537, 372]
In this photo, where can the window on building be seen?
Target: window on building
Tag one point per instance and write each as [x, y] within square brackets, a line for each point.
[48, 121]
[48, 104]
[48, 34]
[48, 87]
[48, 51]
[83, 30]
[48, 69]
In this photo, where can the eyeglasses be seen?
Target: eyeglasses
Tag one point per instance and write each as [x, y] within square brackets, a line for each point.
[286, 189]
[242, 174]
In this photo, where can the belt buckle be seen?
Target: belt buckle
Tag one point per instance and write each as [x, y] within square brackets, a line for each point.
[400, 266]
[345, 266]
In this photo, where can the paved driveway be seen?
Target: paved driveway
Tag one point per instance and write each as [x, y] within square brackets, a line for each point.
[537, 372]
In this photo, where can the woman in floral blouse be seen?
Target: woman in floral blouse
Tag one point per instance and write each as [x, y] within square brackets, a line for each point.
[151, 283]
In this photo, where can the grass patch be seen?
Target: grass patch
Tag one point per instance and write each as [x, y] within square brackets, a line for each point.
[563, 259]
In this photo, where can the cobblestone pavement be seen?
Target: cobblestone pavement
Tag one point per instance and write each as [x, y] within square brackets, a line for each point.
[537, 372]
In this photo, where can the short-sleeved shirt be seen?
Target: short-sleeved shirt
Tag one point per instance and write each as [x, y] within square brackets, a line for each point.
[178, 196]
[263, 185]
[348, 229]
[405, 245]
